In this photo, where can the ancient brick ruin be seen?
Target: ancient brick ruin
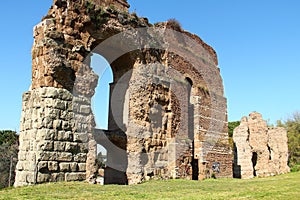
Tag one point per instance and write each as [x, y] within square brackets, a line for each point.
[168, 114]
[259, 150]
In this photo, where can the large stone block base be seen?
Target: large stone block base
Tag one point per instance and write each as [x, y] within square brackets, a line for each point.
[51, 149]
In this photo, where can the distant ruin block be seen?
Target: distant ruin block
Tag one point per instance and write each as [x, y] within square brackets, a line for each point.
[259, 150]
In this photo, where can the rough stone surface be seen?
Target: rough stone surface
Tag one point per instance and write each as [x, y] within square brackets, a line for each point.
[168, 113]
[259, 150]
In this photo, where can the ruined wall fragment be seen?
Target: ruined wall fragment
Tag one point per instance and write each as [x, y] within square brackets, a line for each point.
[259, 150]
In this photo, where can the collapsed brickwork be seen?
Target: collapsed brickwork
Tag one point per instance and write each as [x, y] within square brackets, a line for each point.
[259, 150]
[168, 113]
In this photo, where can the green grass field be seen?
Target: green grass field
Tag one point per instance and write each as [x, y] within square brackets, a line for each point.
[278, 187]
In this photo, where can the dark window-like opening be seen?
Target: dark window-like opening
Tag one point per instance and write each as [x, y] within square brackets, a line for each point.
[195, 162]
[236, 167]
[270, 153]
[195, 166]
[254, 162]
[189, 84]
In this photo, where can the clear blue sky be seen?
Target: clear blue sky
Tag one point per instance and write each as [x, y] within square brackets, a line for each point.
[257, 42]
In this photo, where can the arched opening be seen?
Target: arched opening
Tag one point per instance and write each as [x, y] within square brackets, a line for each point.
[100, 107]
[108, 105]
[100, 101]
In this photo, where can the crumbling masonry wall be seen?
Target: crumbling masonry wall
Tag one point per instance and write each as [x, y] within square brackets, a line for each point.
[168, 113]
[259, 150]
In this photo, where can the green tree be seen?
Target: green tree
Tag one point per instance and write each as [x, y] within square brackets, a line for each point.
[8, 157]
[231, 127]
[292, 124]
[8, 137]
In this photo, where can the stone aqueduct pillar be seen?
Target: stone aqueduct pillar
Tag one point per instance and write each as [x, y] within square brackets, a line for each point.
[168, 121]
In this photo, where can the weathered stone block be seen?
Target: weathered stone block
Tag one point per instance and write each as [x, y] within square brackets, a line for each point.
[81, 157]
[72, 147]
[59, 104]
[64, 157]
[57, 124]
[65, 95]
[64, 167]
[52, 113]
[25, 146]
[80, 137]
[74, 167]
[66, 115]
[79, 176]
[53, 166]
[85, 110]
[48, 123]
[38, 124]
[66, 126]
[32, 133]
[21, 179]
[19, 165]
[43, 178]
[50, 92]
[83, 147]
[81, 167]
[31, 156]
[45, 145]
[64, 136]
[30, 177]
[57, 177]
[46, 156]
[41, 134]
[22, 155]
[59, 146]
[43, 166]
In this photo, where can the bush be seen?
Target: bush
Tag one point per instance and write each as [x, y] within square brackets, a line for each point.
[295, 168]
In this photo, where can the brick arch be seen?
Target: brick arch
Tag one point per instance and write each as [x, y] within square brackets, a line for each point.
[58, 135]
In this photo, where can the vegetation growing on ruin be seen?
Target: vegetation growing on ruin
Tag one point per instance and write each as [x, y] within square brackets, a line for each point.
[174, 24]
